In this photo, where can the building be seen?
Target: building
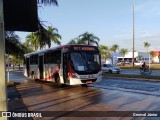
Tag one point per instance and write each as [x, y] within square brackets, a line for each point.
[138, 56]
[156, 58]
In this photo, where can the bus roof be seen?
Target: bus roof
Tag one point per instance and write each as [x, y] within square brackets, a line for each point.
[58, 48]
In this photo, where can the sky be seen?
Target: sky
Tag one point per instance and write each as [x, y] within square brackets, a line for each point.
[109, 20]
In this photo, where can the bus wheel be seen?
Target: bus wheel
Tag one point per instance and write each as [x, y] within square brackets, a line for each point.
[57, 80]
[84, 85]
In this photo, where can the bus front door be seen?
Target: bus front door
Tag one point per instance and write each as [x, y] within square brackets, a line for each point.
[27, 67]
[65, 67]
[41, 67]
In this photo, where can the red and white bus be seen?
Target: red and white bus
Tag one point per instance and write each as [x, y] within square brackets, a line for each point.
[68, 64]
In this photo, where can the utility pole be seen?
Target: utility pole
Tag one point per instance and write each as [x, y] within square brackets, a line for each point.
[3, 88]
[133, 33]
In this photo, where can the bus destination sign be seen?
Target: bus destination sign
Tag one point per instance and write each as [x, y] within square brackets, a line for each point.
[84, 48]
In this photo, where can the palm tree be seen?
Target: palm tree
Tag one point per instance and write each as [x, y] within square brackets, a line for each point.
[114, 47]
[32, 40]
[104, 52]
[123, 52]
[152, 54]
[26, 47]
[41, 29]
[74, 41]
[147, 45]
[88, 37]
[43, 37]
[52, 36]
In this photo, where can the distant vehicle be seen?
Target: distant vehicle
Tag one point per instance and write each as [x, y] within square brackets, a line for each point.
[138, 63]
[119, 63]
[127, 62]
[110, 68]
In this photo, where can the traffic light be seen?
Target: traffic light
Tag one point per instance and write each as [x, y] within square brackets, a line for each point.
[20, 15]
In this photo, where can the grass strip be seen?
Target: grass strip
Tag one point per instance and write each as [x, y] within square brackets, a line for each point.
[143, 76]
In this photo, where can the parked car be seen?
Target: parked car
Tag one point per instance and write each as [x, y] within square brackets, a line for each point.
[138, 63]
[110, 68]
[119, 63]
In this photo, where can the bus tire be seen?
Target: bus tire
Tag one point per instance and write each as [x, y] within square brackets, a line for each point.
[35, 79]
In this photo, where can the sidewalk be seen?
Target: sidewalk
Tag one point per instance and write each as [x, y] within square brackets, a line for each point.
[15, 102]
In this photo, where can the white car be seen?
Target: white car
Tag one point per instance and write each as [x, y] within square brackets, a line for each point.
[110, 68]
[139, 63]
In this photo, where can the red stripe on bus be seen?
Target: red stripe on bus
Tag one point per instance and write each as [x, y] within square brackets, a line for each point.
[52, 76]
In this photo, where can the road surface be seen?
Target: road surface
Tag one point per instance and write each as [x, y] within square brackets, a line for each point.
[137, 72]
[105, 96]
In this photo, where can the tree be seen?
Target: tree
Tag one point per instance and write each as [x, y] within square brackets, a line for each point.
[152, 54]
[32, 40]
[13, 45]
[73, 41]
[43, 37]
[123, 52]
[26, 47]
[139, 57]
[42, 31]
[114, 47]
[52, 35]
[104, 52]
[89, 38]
[147, 45]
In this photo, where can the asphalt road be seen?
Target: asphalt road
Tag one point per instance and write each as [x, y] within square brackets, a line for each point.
[107, 95]
[135, 86]
[18, 76]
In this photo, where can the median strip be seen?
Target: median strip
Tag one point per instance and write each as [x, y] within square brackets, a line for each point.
[130, 76]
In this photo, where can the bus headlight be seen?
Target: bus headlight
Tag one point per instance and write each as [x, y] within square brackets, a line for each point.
[74, 75]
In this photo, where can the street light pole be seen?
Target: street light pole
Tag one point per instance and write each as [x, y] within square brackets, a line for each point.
[133, 33]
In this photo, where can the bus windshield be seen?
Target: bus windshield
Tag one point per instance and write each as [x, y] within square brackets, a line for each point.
[85, 61]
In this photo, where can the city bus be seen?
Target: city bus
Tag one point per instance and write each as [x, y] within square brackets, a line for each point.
[67, 64]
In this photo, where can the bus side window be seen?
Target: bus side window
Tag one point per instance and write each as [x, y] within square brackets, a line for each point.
[34, 59]
[47, 59]
[31, 60]
[57, 57]
[24, 61]
[51, 57]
